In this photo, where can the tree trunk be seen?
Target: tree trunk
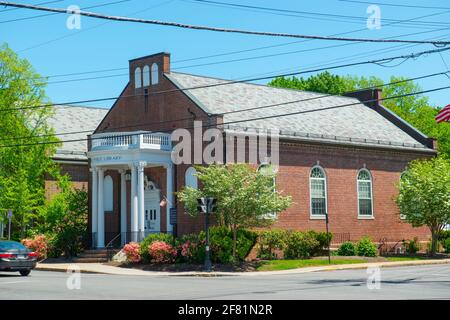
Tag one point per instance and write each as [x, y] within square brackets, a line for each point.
[434, 236]
[234, 242]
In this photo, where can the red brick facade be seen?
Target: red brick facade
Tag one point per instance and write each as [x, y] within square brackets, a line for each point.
[163, 111]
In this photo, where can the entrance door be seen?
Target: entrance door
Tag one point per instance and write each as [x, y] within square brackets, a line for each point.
[152, 214]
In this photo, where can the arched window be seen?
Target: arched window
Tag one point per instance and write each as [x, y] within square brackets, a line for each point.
[108, 194]
[318, 191]
[155, 74]
[365, 207]
[190, 178]
[146, 76]
[137, 78]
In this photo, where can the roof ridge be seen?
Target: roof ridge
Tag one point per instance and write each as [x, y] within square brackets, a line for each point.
[263, 85]
[80, 106]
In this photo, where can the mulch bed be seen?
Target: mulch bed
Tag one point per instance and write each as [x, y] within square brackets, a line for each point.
[182, 267]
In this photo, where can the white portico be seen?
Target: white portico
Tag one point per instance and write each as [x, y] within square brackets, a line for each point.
[129, 153]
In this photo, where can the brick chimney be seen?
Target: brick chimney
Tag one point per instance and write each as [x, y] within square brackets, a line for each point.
[146, 72]
[370, 97]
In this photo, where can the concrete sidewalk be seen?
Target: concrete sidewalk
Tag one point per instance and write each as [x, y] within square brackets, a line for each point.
[107, 269]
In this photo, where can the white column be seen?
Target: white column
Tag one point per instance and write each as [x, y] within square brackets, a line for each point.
[101, 211]
[134, 204]
[169, 195]
[94, 196]
[140, 194]
[123, 207]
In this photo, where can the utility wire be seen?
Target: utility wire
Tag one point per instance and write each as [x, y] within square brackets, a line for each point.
[295, 13]
[397, 5]
[265, 47]
[409, 56]
[217, 29]
[245, 120]
[12, 9]
[51, 14]
[238, 110]
[224, 61]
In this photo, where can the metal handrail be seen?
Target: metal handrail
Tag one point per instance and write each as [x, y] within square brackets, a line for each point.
[109, 246]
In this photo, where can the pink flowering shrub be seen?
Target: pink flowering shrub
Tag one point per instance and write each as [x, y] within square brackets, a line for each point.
[38, 244]
[162, 252]
[192, 249]
[131, 250]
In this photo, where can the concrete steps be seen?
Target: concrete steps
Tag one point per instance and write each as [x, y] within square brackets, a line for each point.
[93, 256]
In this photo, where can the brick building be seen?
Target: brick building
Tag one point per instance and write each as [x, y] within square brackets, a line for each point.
[344, 160]
[72, 124]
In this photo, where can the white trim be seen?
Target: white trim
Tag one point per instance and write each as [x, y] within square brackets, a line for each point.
[108, 194]
[146, 76]
[360, 216]
[137, 78]
[155, 73]
[311, 215]
[190, 178]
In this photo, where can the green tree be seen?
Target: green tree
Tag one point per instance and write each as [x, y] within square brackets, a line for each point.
[64, 219]
[424, 195]
[245, 196]
[23, 167]
[415, 109]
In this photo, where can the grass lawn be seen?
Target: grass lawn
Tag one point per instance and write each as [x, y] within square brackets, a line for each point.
[392, 259]
[275, 265]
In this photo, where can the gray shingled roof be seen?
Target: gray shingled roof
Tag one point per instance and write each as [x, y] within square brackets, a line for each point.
[71, 119]
[357, 122]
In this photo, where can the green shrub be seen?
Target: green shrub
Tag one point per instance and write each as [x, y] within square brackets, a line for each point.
[366, 248]
[347, 249]
[269, 241]
[153, 237]
[412, 246]
[323, 239]
[447, 245]
[444, 235]
[191, 249]
[300, 245]
[221, 243]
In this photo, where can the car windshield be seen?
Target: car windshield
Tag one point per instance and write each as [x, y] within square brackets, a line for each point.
[11, 246]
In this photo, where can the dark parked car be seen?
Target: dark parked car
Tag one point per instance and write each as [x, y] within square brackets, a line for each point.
[14, 256]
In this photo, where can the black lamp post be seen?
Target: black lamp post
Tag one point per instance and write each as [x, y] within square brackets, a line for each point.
[207, 206]
[329, 253]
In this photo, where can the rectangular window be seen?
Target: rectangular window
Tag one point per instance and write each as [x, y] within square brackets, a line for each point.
[318, 202]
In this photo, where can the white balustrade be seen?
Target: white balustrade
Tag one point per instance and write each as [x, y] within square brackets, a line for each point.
[131, 140]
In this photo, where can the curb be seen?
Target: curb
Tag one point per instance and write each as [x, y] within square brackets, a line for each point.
[134, 272]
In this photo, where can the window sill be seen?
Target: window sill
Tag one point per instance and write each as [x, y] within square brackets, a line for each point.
[317, 217]
[366, 217]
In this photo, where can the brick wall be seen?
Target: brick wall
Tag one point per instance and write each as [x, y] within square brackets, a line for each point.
[79, 174]
[161, 112]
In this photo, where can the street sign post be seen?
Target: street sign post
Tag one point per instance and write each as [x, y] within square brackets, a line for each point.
[207, 206]
[10, 214]
[329, 253]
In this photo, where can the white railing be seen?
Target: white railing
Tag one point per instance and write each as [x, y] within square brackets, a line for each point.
[131, 140]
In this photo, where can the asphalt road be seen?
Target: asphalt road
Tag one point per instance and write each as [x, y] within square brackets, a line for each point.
[418, 282]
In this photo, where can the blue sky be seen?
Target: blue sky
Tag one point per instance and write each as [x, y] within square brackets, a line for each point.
[53, 49]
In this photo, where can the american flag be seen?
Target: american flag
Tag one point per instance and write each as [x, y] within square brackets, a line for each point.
[443, 115]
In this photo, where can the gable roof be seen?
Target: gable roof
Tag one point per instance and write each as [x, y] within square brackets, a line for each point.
[68, 118]
[352, 124]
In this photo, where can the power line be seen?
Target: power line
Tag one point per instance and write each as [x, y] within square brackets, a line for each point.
[247, 120]
[239, 110]
[51, 14]
[12, 9]
[259, 48]
[413, 55]
[295, 13]
[224, 61]
[216, 29]
[397, 5]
